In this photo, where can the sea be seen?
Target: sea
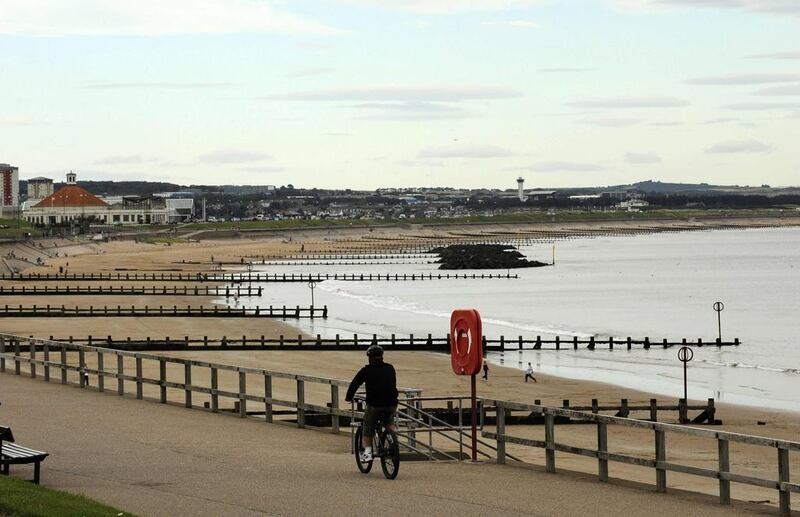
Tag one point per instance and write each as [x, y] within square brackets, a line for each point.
[660, 285]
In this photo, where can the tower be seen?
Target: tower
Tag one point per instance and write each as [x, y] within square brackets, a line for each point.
[9, 188]
[521, 189]
[71, 178]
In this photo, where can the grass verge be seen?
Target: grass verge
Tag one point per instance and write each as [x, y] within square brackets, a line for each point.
[19, 498]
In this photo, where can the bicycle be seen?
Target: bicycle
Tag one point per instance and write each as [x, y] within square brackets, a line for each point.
[384, 446]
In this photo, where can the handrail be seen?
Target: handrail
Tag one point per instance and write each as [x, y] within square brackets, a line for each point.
[55, 357]
[659, 463]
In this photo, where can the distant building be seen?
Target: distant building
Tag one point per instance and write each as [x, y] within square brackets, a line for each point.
[521, 189]
[9, 189]
[39, 188]
[74, 203]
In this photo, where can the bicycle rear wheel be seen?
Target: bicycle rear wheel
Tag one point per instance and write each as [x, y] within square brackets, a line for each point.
[358, 447]
[390, 457]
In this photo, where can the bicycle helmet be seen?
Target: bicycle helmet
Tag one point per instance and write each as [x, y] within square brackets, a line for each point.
[375, 351]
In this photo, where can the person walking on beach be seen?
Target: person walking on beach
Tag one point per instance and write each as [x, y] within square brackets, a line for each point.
[529, 373]
[485, 370]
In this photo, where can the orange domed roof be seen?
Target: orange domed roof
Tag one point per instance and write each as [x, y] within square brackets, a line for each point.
[70, 195]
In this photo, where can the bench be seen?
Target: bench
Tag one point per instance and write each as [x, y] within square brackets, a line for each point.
[14, 454]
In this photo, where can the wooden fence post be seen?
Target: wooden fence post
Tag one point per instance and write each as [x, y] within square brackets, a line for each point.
[501, 432]
[46, 361]
[138, 377]
[162, 379]
[783, 478]
[334, 407]
[301, 412]
[82, 367]
[32, 353]
[120, 373]
[661, 457]
[549, 438]
[242, 394]
[187, 384]
[63, 364]
[724, 468]
[267, 397]
[101, 379]
[16, 357]
[214, 387]
[602, 451]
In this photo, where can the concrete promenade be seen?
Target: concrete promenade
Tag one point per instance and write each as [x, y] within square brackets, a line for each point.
[153, 459]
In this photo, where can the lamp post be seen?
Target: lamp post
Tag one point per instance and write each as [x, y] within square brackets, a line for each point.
[311, 285]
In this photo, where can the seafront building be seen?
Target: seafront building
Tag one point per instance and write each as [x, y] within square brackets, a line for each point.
[9, 189]
[39, 188]
[73, 203]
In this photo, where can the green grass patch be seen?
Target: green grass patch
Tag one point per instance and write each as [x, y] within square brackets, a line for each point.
[13, 228]
[162, 240]
[20, 498]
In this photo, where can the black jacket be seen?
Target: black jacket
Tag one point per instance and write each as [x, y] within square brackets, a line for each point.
[381, 382]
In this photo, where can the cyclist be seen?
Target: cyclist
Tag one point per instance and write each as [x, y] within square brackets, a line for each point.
[381, 383]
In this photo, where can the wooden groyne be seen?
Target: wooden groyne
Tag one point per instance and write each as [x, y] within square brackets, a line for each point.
[360, 342]
[312, 255]
[235, 278]
[130, 290]
[706, 413]
[48, 311]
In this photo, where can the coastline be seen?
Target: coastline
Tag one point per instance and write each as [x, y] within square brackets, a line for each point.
[427, 370]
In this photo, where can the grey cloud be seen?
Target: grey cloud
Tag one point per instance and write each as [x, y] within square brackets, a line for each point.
[721, 120]
[563, 166]
[465, 151]
[402, 93]
[121, 160]
[264, 170]
[739, 146]
[309, 72]
[631, 102]
[745, 79]
[412, 111]
[763, 106]
[791, 7]
[415, 107]
[233, 156]
[642, 158]
[611, 122]
[158, 85]
[777, 55]
[665, 124]
[779, 91]
[420, 163]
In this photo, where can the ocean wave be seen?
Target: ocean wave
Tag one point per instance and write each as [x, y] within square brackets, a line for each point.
[736, 364]
[394, 303]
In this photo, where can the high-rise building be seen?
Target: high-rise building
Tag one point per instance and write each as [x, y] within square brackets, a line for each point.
[9, 189]
[39, 188]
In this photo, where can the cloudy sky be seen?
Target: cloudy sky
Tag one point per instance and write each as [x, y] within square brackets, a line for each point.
[370, 93]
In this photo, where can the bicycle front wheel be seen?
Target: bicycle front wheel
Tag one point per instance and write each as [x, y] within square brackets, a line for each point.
[358, 447]
[390, 459]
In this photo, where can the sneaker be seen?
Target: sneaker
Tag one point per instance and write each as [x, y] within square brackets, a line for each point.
[366, 456]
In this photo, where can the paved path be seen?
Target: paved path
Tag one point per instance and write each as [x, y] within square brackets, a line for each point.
[152, 459]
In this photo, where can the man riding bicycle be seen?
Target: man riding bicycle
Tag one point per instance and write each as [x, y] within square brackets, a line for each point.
[381, 384]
